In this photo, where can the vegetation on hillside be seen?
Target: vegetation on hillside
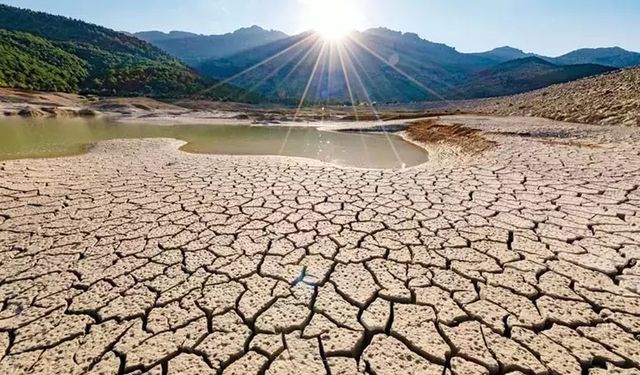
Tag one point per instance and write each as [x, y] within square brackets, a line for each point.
[32, 63]
[58, 28]
[44, 52]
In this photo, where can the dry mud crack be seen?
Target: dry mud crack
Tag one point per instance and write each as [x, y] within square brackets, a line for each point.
[138, 258]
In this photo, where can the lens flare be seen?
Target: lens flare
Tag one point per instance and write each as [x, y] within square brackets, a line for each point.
[332, 19]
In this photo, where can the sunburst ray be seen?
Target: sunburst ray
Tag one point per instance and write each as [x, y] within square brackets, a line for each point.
[377, 115]
[401, 72]
[302, 99]
[255, 66]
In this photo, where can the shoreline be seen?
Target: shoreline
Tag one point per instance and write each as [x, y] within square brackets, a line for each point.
[32, 104]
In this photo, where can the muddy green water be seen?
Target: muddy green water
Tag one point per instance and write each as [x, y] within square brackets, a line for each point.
[43, 138]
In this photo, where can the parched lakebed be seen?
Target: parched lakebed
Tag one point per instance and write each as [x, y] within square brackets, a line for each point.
[38, 138]
[135, 257]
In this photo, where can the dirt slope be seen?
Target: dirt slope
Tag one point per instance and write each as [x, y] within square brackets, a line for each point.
[608, 99]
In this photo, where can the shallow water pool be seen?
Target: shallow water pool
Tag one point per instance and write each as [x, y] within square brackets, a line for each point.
[42, 138]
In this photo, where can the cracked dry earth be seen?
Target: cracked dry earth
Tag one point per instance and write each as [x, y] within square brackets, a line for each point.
[138, 258]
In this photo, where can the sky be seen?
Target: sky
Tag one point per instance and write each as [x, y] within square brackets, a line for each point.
[549, 27]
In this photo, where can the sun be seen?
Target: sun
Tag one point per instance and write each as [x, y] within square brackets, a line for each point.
[332, 19]
[332, 33]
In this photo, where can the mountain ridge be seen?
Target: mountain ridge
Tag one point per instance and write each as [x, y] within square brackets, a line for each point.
[196, 48]
[384, 65]
[612, 56]
[424, 70]
[498, 54]
[526, 74]
[504, 54]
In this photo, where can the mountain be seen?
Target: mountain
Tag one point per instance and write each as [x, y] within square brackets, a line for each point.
[384, 66]
[503, 54]
[379, 65]
[615, 56]
[194, 48]
[523, 75]
[40, 51]
[159, 36]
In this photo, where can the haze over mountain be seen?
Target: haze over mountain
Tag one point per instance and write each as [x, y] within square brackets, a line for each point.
[370, 63]
[194, 48]
[385, 65]
[422, 70]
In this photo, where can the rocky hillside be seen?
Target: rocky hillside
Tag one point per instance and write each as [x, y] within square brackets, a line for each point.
[608, 99]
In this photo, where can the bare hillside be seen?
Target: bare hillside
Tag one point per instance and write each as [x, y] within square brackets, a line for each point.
[608, 99]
